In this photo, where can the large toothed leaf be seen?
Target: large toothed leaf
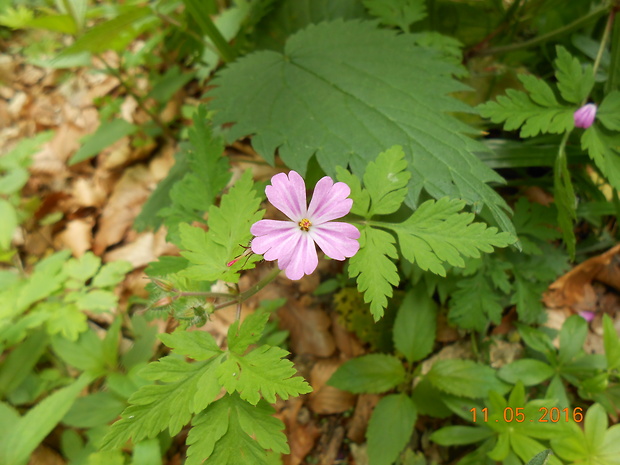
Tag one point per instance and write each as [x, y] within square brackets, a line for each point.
[345, 91]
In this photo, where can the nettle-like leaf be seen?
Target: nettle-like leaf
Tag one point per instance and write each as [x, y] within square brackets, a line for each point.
[464, 378]
[229, 228]
[574, 80]
[401, 13]
[604, 148]
[372, 373]
[344, 91]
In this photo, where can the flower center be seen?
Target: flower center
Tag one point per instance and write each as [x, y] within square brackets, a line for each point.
[305, 224]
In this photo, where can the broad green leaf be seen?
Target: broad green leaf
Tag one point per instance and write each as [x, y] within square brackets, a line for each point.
[64, 24]
[358, 90]
[460, 435]
[113, 34]
[13, 180]
[34, 426]
[564, 194]
[437, 233]
[263, 372]
[106, 134]
[8, 224]
[574, 80]
[572, 337]
[464, 378]
[611, 342]
[375, 271]
[372, 374]
[229, 228]
[16, 18]
[83, 268]
[169, 83]
[524, 446]
[541, 458]
[86, 353]
[401, 13]
[609, 111]
[529, 371]
[112, 273]
[604, 149]
[198, 345]
[96, 300]
[416, 320]
[390, 428]
[147, 452]
[386, 182]
[97, 409]
[18, 364]
[231, 430]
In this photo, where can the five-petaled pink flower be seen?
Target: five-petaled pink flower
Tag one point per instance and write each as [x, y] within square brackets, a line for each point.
[292, 242]
[584, 116]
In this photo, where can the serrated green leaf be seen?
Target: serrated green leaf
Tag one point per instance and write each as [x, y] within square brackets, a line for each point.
[240, 337]
[386, 181]
[112, 273]
[86, 353]
[16, 18]
[360, 197]
[604, 149]
[221, 434]
[574, 80]
[229, 229]
[372, 373]
[415, 324]
[609, 111]
[529, 371]
[198, 345]
[374, 269]
[97, 409]
[262, 372]
[437, 233]
[533, 222]
[155, 407]
[401, 13]
[475, 303]
[96, 300]
[358, 89]
[84, 267]
[390, 428]
[464, 378]
[516, 110]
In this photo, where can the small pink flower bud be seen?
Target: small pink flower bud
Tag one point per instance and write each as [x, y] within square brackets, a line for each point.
[232, 262]
[584, 117]
[587, 315]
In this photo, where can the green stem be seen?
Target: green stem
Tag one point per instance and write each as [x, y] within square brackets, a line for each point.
[245, 295]
[545, 37]
[212, 295]
[601, 49]
[227, 53]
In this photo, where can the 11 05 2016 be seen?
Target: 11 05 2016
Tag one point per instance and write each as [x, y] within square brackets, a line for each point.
[546, 415]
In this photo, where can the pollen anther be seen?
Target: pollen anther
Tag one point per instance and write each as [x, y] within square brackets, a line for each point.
[305, 224]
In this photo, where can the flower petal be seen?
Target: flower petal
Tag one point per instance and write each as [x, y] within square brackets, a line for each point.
[279, 242]
[329, 201]
[302, 260]
[264, 227]
[338, 240]
[585, 115]
[288, 194]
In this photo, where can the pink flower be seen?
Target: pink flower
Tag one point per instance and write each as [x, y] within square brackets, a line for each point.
[584, 117]
[292, 242]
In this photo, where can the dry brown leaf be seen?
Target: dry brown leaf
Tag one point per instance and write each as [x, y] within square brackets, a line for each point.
[309, 327]
[324, 399]
[346, 342]
[575, 289]
[301, 431]
[126, 201]
[356, 429]
[77, 236]
[43, 455]
[142, 250]
[88, 192]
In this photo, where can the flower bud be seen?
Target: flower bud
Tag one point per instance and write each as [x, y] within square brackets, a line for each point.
[584, 117]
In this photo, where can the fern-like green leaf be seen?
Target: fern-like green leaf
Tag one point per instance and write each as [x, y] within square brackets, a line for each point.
[475, 303]
[344, 91]
[375, 271]
[604, 149]
[574, 80]
[386, 181]
[609, 111]
[155, 407]
[231, 431]
[437, 233]
[401, 13]
[262, 372]
[229, 229]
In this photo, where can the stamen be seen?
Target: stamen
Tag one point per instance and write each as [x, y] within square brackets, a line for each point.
[305, 224]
